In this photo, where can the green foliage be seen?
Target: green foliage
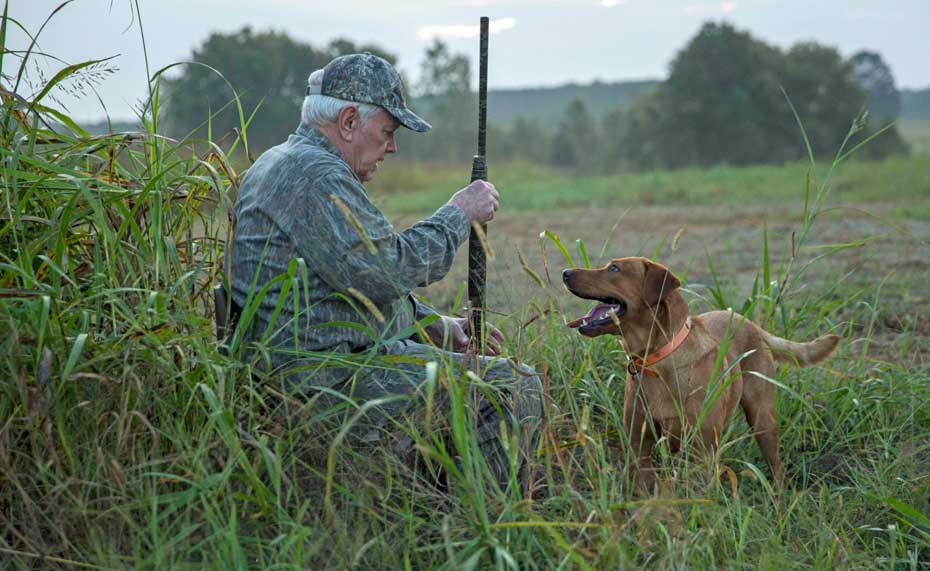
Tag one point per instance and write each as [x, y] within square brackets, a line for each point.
[875, 78]
[723, 103]
[527, 140]
[720, 91]
[575, 138]
[545, 104]
[269, 71]
[448, 103]
[443, 73]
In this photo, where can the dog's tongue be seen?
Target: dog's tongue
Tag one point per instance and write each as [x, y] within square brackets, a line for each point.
[597, 312]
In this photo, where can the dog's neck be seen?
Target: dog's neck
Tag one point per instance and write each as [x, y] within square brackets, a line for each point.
[658, 326]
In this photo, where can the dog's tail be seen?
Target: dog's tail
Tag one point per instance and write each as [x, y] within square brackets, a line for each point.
[801, 354]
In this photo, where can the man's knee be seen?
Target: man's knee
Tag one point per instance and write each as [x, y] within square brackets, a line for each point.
[528, 393]
[528, 379]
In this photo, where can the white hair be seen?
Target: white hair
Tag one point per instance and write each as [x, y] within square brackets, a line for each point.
[318, 110]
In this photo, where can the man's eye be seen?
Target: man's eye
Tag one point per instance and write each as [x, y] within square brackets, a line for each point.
[612, 268]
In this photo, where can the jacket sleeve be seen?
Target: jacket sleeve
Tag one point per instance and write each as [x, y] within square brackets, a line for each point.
[350, 244]
[420, 309]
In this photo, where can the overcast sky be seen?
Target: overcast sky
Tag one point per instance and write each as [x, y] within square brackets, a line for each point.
[536, 42]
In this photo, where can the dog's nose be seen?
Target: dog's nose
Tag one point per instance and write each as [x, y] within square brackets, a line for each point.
[567, 274]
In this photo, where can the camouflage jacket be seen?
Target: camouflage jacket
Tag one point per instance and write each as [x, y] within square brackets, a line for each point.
[301, 200]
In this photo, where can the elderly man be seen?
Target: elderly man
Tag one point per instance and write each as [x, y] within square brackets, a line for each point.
[304, 199]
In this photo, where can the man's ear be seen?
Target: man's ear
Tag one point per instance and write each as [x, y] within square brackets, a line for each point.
[658, 283]
[348, 121]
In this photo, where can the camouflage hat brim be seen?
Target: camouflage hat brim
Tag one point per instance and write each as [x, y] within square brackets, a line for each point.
[409, 119]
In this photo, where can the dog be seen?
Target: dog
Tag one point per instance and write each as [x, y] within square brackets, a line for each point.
[675, 359]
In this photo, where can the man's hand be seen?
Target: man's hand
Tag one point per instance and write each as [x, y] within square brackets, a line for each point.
[479, 200]
[458, 329]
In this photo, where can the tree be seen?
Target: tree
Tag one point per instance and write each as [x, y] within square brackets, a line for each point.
[719, 97]
[883, 103]
[528, 140]
[446, 99]
[875, 78]
[342, 46]
[822, 88]
[443, 73]
[618, 153]
[576, 142]
[827, 94]
[723, 103]
[269, 70]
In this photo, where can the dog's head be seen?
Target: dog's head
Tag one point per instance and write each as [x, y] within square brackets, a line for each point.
[625, 287]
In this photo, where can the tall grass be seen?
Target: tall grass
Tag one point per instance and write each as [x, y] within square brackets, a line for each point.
[128, 440]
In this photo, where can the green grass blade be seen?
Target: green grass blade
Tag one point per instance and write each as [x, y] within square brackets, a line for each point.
[558, 244]
[579, 243]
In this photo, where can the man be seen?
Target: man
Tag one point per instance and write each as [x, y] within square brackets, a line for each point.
[304, 199]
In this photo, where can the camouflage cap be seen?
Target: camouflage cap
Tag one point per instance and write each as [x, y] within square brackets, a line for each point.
[367, 78]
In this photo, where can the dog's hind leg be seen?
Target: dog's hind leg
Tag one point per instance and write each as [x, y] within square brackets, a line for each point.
[765, 429]
[758, 404]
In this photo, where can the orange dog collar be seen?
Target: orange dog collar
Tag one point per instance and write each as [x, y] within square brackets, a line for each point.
[638, 365]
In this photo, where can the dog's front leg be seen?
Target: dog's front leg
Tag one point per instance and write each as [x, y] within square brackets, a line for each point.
[641, 438]
[645, 472]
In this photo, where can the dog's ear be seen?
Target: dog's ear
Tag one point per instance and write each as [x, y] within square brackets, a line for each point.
[658, 283]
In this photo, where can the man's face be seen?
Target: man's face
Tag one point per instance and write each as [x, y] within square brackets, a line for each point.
[374, 140]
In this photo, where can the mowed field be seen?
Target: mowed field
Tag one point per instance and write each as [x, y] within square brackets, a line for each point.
[709, 226]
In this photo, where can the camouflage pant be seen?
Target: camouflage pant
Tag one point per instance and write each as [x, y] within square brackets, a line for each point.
[517, 401]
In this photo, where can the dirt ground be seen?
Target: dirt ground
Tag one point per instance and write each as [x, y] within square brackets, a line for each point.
[890, 262]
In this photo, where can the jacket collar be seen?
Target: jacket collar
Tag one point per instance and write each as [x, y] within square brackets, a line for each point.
[316, 138]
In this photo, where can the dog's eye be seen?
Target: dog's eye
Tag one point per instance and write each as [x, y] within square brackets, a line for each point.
[612, 268]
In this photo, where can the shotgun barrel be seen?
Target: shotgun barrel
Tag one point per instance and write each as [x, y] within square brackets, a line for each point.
[477, 260]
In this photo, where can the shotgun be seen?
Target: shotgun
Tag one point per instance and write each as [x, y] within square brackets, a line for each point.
[477, 262]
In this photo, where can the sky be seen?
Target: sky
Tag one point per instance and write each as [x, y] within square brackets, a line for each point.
[533, 42]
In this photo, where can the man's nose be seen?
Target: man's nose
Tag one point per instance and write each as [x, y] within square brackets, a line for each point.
[392, 145]
[567, 274]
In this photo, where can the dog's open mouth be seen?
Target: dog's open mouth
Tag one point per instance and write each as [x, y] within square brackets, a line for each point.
[601, 314]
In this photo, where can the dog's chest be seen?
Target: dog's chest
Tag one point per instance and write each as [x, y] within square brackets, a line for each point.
[680, 387]
[665, 395]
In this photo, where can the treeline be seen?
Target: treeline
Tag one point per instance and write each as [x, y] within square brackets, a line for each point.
[733, 99]
[729, 99]
[264, 74]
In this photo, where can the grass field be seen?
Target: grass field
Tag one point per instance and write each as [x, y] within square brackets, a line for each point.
[917, 134]
[689, 218]
[128, 440]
